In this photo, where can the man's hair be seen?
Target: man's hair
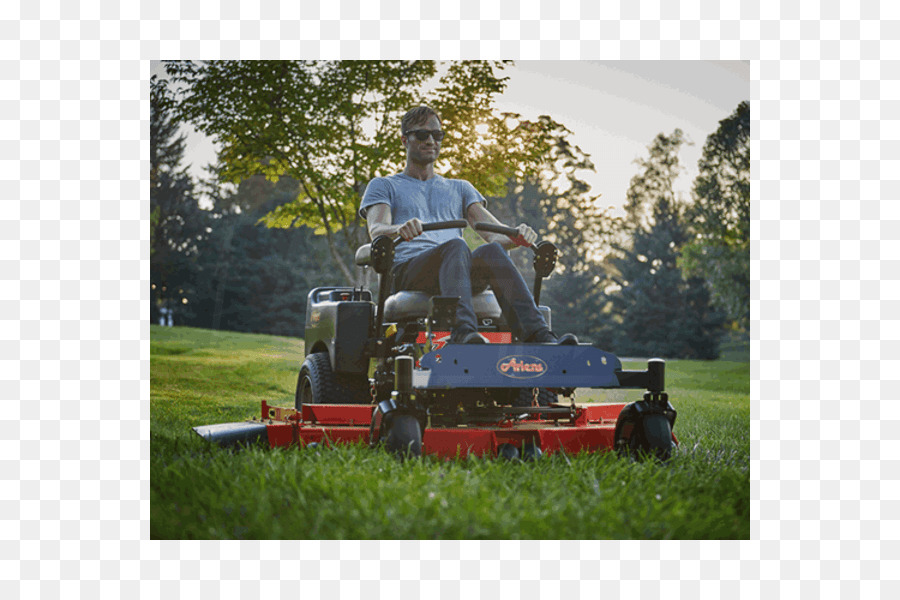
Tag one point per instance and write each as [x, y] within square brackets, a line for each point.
[419, 114]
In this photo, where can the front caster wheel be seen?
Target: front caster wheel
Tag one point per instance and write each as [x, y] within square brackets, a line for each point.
[507, 452]
[641, 432]
[404, 438]
[655, 437]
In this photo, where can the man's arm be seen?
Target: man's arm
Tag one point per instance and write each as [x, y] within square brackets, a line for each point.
[378, 217]
[477, 213]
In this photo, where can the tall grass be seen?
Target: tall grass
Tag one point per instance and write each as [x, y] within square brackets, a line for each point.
[198, 490]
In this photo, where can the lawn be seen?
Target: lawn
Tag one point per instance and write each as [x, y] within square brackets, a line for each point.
[200, 491]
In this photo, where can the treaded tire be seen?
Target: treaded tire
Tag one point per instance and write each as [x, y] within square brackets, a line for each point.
[641, 435]
[317, 384]
[654, 437]
[404, 438]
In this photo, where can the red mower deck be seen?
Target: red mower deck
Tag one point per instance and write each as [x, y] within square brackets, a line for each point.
[590, 428]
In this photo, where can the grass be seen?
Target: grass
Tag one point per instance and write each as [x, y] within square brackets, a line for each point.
[200, 491]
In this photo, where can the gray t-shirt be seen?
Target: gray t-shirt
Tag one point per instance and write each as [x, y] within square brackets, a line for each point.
[435, 199]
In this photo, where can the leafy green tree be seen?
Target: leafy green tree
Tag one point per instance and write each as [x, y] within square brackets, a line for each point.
[720, 251]
[333, 126]
[661, 312]
[558, 203]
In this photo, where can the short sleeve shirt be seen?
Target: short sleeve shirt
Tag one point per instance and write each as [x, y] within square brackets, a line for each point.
[435, 199]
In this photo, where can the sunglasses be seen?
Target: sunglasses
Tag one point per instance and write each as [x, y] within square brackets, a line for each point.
[422, 134]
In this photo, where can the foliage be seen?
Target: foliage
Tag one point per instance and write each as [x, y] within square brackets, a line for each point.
[334, 125]
[255, 279]
[721, 214]
[177, 224]
[219, 267]
[559, 205]
[299, 141]
[662, 314]
[198, 491]
[655, 179]
[659, 312]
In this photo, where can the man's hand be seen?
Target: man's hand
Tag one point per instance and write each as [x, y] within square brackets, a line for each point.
[527, 236]
[477, 213]
[410, 229]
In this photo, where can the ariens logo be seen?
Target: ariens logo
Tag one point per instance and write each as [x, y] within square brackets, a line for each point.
[521, 367]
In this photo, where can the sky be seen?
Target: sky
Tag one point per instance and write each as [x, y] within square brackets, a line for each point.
[614, 109]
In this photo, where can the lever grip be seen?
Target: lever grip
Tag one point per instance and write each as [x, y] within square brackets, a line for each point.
[457, 224]
[511, 232]
[493, 228]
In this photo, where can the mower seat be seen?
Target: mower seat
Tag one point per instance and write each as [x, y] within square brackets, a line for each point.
[408, 305]
[411, 305]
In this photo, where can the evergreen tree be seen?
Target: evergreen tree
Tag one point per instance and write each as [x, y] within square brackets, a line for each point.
[178, 225]
[253, 278]
[720, 251]
[655, 179]
[662, 313]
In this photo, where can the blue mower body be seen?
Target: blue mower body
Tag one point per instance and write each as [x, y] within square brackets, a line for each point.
[516, 366]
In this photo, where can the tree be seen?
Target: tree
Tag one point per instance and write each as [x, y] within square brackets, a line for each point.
[177, 224]
[253, 278]
[558, 203]
[333, 126]
[720, 251]
[655, 179]
[661, 312]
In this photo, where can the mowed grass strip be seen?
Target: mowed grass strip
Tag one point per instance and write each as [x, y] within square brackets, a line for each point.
[200, 491]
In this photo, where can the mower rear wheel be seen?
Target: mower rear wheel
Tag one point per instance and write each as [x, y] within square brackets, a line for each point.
[317, 384]
[404, 438]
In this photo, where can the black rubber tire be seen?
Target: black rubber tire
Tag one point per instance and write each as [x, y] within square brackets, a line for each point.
[641, 434]
[317, 384]
[404, 438]
[508, 452]
[653, 436]
[531, 453]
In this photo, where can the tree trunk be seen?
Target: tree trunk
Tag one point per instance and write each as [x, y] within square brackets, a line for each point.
[336, 256]
[222, 277]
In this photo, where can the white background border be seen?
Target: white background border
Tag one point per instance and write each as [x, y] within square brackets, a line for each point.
[75, 264]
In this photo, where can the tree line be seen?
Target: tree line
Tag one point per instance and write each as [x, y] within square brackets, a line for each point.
[277, 215]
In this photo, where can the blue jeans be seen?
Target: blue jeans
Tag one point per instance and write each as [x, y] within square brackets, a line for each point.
[451, 269]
